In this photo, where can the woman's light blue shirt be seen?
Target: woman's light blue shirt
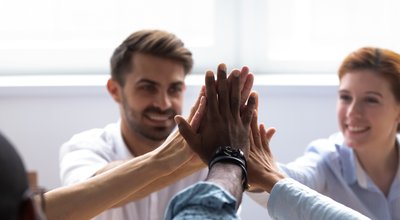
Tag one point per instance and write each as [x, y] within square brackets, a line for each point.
[331, 168]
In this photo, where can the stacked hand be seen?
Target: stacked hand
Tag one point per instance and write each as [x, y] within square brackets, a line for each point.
[223, 118]
[225, 121]
[262, 169]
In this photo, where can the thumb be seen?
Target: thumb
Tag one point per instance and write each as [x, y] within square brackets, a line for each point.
[270, 133]
[185, 130]
[266, 135]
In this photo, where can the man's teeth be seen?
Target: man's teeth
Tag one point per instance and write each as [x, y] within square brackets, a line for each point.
[159, 117]
[356, 128]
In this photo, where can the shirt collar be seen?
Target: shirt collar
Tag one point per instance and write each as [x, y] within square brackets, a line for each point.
[352, 170]
[346, 158]
[122, 149]
[395, 188]
[361, 176]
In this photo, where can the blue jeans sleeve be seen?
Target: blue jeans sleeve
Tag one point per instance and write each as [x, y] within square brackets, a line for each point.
[203, 200]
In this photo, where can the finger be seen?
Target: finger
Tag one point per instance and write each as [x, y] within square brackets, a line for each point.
[267, 132]
[186, 131]
[211, 94]
[197, 103]
[270, 133]
[255, 131]
[222, 88]
[199, 114]
[246, 88]
[243, 75]
[247, 113]
[243, 107]
[235, 94]
[253, 146]
[244, 81]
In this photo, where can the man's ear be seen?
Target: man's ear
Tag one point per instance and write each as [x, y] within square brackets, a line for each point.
[114, 89]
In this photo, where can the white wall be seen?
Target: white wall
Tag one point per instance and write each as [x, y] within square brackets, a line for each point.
[39, 119]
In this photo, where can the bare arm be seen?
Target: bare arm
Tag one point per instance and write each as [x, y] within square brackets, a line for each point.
[185, 163]
[129, 180]
[89, 198]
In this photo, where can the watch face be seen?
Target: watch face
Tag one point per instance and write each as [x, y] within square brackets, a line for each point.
[229, 151]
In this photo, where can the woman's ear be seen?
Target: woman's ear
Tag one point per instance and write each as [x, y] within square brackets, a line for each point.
[114, 89]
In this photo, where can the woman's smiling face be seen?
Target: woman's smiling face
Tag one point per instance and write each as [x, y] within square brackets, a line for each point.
[367, 110]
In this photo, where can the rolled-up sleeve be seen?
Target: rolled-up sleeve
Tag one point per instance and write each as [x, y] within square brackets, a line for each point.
[202, 201]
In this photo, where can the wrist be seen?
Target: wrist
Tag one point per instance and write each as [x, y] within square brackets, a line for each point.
[229, 177]
[226, 154]
[269, 180]
[226, 172]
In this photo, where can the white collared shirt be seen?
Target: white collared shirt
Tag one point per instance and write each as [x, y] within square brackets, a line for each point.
[87, 152]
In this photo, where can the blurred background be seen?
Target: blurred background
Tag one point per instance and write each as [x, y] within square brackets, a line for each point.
[54, 63]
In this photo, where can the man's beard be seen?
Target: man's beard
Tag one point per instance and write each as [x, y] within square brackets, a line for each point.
[150, 132]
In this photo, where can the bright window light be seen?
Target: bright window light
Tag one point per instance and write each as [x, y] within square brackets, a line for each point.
[315, 35]
[73, 36]
[67, 37]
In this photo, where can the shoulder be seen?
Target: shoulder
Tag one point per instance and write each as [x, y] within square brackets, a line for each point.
[333, 152]
[326, 146]
[93, 139]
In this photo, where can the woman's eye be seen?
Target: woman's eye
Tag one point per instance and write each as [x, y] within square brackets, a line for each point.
[371, 100]
[345, 97]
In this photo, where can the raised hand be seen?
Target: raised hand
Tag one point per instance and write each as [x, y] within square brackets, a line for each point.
[263, 172]
[223, 123]
[176, 146]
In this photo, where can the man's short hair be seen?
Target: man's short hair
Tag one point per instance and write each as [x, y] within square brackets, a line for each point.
[152, 42]
[13, 183]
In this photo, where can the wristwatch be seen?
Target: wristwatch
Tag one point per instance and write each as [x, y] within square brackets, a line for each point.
[228, 154]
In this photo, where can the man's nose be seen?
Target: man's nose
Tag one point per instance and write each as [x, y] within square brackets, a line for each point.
[163, 101]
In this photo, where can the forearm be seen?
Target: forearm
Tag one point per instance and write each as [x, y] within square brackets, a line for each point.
[128, 181]
[291, 200]
[229, 177]
[89, 198]
[185, 170]
[111, 165]
[120, 183]
[178, 162]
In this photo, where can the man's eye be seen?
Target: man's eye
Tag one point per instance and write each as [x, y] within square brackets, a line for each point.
[148, 88]
[176, 89]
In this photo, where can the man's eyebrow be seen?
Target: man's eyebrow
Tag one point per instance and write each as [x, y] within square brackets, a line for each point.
[148, 81]
[178, 83]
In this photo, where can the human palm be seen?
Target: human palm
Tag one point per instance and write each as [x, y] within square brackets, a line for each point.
[223, 122]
